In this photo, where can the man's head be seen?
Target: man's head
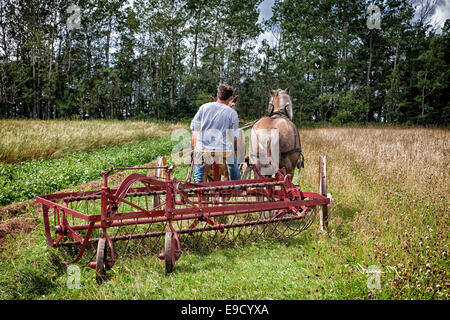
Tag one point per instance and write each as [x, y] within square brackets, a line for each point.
[224, 93]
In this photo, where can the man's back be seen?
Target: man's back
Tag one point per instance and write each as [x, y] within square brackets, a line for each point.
[215, 121]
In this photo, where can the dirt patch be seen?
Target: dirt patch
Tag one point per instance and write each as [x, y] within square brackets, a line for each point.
[15, 226]
[16, 209]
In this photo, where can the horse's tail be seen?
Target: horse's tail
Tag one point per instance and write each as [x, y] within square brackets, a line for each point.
[258, 153]
[268, 154]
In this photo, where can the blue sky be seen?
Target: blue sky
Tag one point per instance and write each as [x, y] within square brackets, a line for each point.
[266, 9]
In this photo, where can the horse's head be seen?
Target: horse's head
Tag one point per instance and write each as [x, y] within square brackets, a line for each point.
[231, 104]
[280, 101]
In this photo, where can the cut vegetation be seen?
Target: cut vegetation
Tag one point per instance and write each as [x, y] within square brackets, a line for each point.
[24, 140]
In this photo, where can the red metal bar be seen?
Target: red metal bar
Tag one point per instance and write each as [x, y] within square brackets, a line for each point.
[282, 199]
[192, 213]
[48, 234]
[84, 243]
[77, 214]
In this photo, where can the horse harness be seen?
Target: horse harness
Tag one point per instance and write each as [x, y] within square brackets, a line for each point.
[301, 163]
[283, 114]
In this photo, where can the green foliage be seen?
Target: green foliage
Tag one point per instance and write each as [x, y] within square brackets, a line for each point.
[162, 59]
[350, 109]
[26, 180]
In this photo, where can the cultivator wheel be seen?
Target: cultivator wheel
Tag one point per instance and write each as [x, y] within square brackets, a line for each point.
[100, 273]
[169, 251]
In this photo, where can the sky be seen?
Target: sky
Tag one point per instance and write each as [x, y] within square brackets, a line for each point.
[265, 13]
[266, 9]
[441, 12]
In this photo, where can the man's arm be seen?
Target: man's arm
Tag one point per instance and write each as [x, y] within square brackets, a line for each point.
[194, 139]
[195, 127]
[235, 128]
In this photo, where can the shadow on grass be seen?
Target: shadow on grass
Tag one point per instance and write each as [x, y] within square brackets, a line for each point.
[233, 253]
[198, 254]
[29, 281]
[342, 218]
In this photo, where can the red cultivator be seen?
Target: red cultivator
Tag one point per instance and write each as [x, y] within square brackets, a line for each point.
[160, 211]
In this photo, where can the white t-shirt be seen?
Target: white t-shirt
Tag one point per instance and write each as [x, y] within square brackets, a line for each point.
[217, 124]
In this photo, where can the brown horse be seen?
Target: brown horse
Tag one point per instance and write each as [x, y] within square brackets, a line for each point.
[279, 116]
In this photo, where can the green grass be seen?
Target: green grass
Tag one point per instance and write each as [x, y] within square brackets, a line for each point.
[374, 221]
[260, 270]
[23, 181]
[310, 266]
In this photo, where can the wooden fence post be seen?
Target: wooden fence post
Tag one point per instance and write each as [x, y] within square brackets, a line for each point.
[323, 210]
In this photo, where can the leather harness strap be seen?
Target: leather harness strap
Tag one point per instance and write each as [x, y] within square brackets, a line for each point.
[283, 113]
[278, 114]
[291, 151]
[297, 148]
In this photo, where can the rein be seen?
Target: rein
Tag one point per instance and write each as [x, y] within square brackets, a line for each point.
[247, 124]
[278, 113]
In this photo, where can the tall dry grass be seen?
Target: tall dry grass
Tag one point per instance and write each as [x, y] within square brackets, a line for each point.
[417, 159]
[22, 140]
[391, 204]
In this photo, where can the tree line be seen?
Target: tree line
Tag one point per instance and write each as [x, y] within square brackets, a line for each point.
[161, 59]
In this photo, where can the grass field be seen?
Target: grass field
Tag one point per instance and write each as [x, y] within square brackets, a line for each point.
[25, 180]
[391, 211]
[24, 140]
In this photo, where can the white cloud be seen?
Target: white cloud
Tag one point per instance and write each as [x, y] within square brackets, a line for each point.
[441, 14]
[266, 10]
[269, 37]
[265, 13]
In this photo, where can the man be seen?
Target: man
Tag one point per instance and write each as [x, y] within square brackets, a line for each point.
[215, 127]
